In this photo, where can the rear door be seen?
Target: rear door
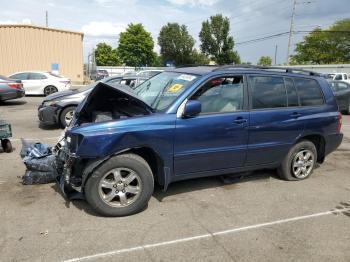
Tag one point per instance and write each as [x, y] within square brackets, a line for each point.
[217, 138]
[36, 83]
[274, 119]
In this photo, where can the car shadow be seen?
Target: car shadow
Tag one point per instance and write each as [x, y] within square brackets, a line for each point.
[48, 127]
[228, 182]
[13, 102]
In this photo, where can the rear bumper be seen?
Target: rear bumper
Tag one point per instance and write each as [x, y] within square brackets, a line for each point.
[12, 94]
[333, 142]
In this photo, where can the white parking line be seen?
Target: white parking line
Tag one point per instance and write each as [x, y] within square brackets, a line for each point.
[209, 235]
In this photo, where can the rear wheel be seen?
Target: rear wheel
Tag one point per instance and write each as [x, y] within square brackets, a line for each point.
[66, 116]
[121, 186]
[6, 145]
[50, 90]
[299, 162]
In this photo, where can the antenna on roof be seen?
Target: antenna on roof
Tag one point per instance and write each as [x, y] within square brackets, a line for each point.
[47, 18]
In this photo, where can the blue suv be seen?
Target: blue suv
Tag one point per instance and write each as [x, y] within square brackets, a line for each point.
[194, 122]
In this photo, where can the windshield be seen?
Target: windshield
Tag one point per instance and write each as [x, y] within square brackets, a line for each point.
[162, 90]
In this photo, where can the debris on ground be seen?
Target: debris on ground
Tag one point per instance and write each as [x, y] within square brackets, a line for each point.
[40, 163]
[44, 233]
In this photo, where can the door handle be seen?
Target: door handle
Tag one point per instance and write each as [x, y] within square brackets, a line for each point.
[296, 115]
[240, 120]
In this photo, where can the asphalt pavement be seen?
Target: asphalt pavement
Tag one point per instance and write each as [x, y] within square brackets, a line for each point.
[260, 218]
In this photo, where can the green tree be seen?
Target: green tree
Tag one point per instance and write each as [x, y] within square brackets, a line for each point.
[265, 61]
[158, 60]
[198, 58]
[176, 44]
[325, 46]
[105, 55]
[136, 46]
[216, 42]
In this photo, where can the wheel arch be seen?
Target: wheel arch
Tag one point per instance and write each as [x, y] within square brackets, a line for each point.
[152, 158]
[320, 143]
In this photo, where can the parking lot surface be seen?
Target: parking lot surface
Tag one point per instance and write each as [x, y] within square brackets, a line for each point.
[260, 218]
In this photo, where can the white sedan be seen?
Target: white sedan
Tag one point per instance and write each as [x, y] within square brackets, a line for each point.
[42, 83]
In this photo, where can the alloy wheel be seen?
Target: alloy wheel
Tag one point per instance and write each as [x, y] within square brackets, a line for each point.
[68, 117]
[303, 163]
[120, 187]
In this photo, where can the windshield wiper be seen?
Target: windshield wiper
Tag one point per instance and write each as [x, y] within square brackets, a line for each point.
[157, 99]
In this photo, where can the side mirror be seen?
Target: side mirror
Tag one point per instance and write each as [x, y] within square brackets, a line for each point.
[192, 108]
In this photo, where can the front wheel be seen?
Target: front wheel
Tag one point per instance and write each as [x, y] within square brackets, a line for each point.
[66, 116]
[121, 186]
[299, 162]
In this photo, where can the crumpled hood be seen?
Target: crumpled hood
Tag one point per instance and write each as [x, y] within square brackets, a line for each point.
[119, 90]
[104, 96]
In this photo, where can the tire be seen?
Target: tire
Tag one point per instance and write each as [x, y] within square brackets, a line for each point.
[6, 145]
[105, 189]
[65, 115]
[50, 90]
[297, 159]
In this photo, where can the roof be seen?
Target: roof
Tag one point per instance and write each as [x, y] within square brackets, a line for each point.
[196, 70]
[202, 70]
[41, 27]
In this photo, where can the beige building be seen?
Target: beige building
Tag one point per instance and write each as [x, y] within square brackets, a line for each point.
[28, 47]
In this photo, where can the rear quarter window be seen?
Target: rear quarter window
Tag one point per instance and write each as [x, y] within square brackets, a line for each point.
[309, 92]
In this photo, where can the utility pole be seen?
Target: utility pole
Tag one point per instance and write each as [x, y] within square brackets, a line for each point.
[276, 54]
[47, 18]
[291, 31]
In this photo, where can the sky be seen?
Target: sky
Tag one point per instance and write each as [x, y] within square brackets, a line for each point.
[103, 20]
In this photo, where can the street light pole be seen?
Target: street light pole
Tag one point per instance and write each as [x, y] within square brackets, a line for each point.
[291, 31]
[276, 54]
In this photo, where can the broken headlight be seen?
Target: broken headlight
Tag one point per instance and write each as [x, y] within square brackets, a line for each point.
[73, 141]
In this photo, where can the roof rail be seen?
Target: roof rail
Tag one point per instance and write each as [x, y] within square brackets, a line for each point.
[194, 65]
[284, 69]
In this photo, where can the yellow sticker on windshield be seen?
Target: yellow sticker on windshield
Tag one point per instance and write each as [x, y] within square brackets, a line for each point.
[175, 88]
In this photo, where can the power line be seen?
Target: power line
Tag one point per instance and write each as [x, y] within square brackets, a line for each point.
[287, 32]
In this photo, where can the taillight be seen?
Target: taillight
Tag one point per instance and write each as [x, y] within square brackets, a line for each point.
[15, 85]
[65, 82]
[339, 122]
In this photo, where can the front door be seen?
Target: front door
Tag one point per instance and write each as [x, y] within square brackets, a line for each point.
[216, 138]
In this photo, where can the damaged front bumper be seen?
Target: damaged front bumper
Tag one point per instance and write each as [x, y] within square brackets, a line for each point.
[66, 161]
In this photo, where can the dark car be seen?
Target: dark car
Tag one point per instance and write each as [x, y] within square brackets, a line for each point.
[10, 88]
[101, 73]
[195, 122]
[341, 91]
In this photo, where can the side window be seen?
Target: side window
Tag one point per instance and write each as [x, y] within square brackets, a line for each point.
[333, 86]
[309, 92]
[292, 96]
[222, 94]
[20, 76]
[36, 76]
[338, 77]
[345, 77]
[342, 86]
[268, 92]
